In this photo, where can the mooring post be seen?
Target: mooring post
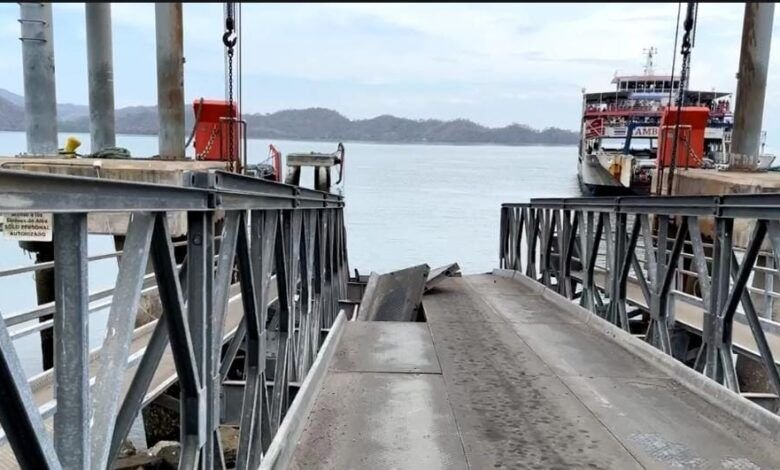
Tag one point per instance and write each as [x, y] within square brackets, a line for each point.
[170, 79]
[751, 85]
[100, 66]
[40, 108]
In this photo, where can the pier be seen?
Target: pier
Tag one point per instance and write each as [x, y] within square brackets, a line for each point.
[584, 347]
[613, 332]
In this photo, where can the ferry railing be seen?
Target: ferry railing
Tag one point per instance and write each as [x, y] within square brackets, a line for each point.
[271, 233]
[604, 253]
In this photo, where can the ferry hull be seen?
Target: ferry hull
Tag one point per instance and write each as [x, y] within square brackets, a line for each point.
[596, 180]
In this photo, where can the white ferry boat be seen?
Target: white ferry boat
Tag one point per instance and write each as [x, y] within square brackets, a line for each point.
[619, 134]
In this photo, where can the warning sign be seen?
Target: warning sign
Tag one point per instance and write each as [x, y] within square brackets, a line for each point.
[32, 226]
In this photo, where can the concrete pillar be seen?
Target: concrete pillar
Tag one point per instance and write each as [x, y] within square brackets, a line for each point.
[100, 65]
[751, 85]
[40, 98]
[170, 79]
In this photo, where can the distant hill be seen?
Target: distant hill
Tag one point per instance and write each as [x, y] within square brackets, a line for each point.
[64, 110]
[11, 116]
[309, 124]
[130, 120]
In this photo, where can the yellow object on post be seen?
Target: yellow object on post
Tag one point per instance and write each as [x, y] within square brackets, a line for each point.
[70, 147]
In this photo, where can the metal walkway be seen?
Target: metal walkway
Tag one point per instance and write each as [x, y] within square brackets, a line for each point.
[162, 378]
[502, 376]
[278, 242]
[691, 275]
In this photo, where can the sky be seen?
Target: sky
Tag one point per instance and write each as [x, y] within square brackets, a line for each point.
[495, 64]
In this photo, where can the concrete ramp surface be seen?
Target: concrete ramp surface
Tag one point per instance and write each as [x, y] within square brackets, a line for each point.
[501, 377]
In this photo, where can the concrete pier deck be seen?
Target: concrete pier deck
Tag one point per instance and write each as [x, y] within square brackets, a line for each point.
[500, 376]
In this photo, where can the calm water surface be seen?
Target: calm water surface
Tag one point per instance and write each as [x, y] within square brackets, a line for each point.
[405, 205]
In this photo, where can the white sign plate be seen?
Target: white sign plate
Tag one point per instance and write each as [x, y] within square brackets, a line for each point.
[713, 133]
[31, 227]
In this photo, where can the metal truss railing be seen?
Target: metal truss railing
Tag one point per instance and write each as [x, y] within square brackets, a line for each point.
[645, 265]
[279, 241]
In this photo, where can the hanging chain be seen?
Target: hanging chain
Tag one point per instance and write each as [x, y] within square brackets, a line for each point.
[209, 144]
[231, 122]
[685, 51]
[229, 39]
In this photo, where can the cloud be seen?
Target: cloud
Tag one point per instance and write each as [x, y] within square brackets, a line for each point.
[496, 63]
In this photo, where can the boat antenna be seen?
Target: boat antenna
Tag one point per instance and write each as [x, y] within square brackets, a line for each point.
[660, 170]
[685, 51]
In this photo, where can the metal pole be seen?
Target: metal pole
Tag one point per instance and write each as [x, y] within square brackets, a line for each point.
[71, 328]
[751, 85]
[100, 65]
[40, 110]
[40, 99]
[170, 79]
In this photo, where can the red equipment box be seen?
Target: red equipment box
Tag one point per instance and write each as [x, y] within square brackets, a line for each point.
[690, 141]
[212, 130]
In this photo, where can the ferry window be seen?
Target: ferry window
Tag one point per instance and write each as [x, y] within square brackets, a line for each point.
[667, 84]
[623, 85]
[642, 144]
[612, 143]
[659, 84]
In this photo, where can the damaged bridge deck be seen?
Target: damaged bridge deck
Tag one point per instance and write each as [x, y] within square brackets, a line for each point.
[504, 375]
